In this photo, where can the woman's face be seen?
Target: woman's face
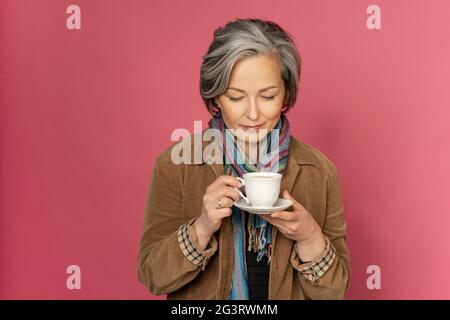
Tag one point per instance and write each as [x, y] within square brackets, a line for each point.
[254, 97]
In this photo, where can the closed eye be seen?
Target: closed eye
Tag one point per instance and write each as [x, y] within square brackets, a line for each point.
[235, 99]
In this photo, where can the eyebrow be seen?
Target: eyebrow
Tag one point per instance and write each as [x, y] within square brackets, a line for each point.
[240, 90]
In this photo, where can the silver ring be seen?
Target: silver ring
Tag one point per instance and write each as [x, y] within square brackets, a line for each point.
[219, 204]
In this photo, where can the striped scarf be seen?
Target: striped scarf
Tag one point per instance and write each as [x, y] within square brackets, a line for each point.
[236, 163]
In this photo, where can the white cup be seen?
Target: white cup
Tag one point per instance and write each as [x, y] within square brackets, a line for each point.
[262, 188]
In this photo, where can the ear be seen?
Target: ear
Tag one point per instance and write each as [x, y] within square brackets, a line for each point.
[285, 103]
[216, 101]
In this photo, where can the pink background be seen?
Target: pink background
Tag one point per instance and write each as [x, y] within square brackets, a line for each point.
[84, 114]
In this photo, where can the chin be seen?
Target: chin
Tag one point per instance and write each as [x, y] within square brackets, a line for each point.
[251, 137]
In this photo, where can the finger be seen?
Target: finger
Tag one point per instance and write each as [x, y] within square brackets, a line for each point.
[225, 202]
[273, 221]
[223, 212]
[283, 230]
[265, 217]
[218, 193]
[216, 215]
[225, 191]
[269, 219]
[279, 224]
[225, 180]
[295, 203]
[284, 215]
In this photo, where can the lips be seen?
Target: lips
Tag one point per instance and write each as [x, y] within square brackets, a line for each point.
[256, 127]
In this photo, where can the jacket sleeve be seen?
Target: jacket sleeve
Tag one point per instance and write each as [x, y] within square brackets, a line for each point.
[169, 256]
[329, 276]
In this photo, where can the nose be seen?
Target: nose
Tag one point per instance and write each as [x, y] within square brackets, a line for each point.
[252, 111]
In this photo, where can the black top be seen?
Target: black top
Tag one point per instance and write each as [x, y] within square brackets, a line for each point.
[257, 272]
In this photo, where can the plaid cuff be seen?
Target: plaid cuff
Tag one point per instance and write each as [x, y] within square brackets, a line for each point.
[315, 269]
[187, 238]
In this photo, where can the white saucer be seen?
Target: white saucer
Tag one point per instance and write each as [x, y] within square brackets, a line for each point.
[279, 205]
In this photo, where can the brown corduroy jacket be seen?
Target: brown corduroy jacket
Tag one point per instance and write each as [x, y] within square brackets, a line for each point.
[175, 197]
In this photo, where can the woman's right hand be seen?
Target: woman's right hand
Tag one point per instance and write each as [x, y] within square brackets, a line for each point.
[212, 214]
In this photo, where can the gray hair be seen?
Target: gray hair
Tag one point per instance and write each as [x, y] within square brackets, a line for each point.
[243, 38]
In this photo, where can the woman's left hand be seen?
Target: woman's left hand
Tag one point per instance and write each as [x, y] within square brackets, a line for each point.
[298, 225]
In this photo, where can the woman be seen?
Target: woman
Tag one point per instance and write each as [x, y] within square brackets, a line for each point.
[196, 244]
